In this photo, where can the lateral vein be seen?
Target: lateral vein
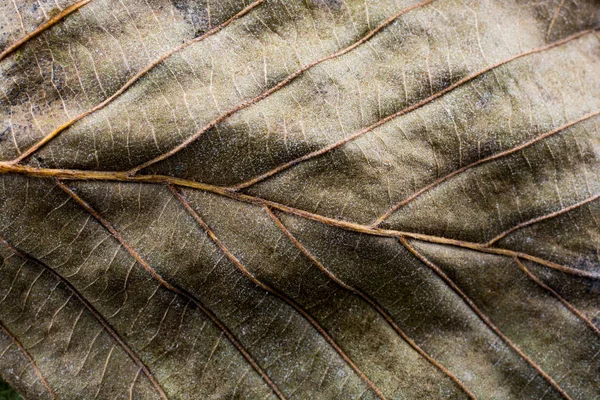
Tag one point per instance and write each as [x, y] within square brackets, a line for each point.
[30, 359]
[179, 195]
[272, 90]
[105, 324]
[45, 26]
[496, 156]
[130, 82]
[173, 288]
[356, 135]
[371, 302]
[486, 320]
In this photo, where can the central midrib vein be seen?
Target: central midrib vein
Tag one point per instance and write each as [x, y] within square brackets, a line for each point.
[118, 176]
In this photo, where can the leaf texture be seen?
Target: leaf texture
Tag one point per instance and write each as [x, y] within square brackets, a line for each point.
[293, 199]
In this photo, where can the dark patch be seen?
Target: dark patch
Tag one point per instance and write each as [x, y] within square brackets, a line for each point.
[444, 79]
[269, 20]
[230, 154]
[4, 134]
[194, 13]
[333, 5]
[37, 161]
[315, 87]
[572, 17]
[276, 78]
[429, 87]
[595, 289]
[389, 107]
[59, 76]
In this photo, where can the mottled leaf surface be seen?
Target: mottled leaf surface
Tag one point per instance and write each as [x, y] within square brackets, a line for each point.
[295, 199]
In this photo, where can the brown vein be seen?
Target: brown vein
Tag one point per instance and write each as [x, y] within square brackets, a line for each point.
[105, 324]
[131, 81]
[542, 218]
[175, 289]
[369, 301]
[275, 88]
[496, 156]
[554, 19]
[115, 176]
[37, 370]
[500, 251]
[404, 111]
[179, 195]
[571, 307]
[48, 24]
[482, 316]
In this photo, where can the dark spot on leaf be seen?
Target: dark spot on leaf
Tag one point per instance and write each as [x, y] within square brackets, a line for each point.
[4, 134]
[195, 13]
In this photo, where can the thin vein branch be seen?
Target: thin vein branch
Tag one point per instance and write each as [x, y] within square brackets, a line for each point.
[115, 176]
[179, 195]
[48, 24]
[369, 301]
[272, 90]
[131, 81]
[542, 218]
[114, 233]
[554, 17]
[483, 317]
[105, 324]
[175, 289]
[404, 111]
[571, 307]
[496, 156]
[30, 359]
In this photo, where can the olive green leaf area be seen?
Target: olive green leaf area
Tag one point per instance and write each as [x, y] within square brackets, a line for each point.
[6, 392]
[326, 199]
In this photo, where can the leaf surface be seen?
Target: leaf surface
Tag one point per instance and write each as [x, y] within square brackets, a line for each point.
[300, 199]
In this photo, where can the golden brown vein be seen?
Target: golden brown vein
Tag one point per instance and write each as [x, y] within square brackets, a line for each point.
[97, 315]
[175, 289]
[365, 297]
[496, 156]
[116, 176]
[131, 81]
[354, 136]
[571, 307]
[482, 316]
[274, 89]
[542, 218]
[47, 25]
[30, 359]
[179, 195]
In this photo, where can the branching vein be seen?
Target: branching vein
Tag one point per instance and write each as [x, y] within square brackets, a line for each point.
[30, 359]
[112, 176]
[371, 302]
[483, 317]
[179, 195]
[571, 307]
[48, 24]
[496, 156]
[105, 324]
[542, 218]
[180, 291]
[130, 82]
[272, 90]
[404, 111]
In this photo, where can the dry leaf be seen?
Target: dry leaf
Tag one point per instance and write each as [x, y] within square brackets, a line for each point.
[310, 199]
